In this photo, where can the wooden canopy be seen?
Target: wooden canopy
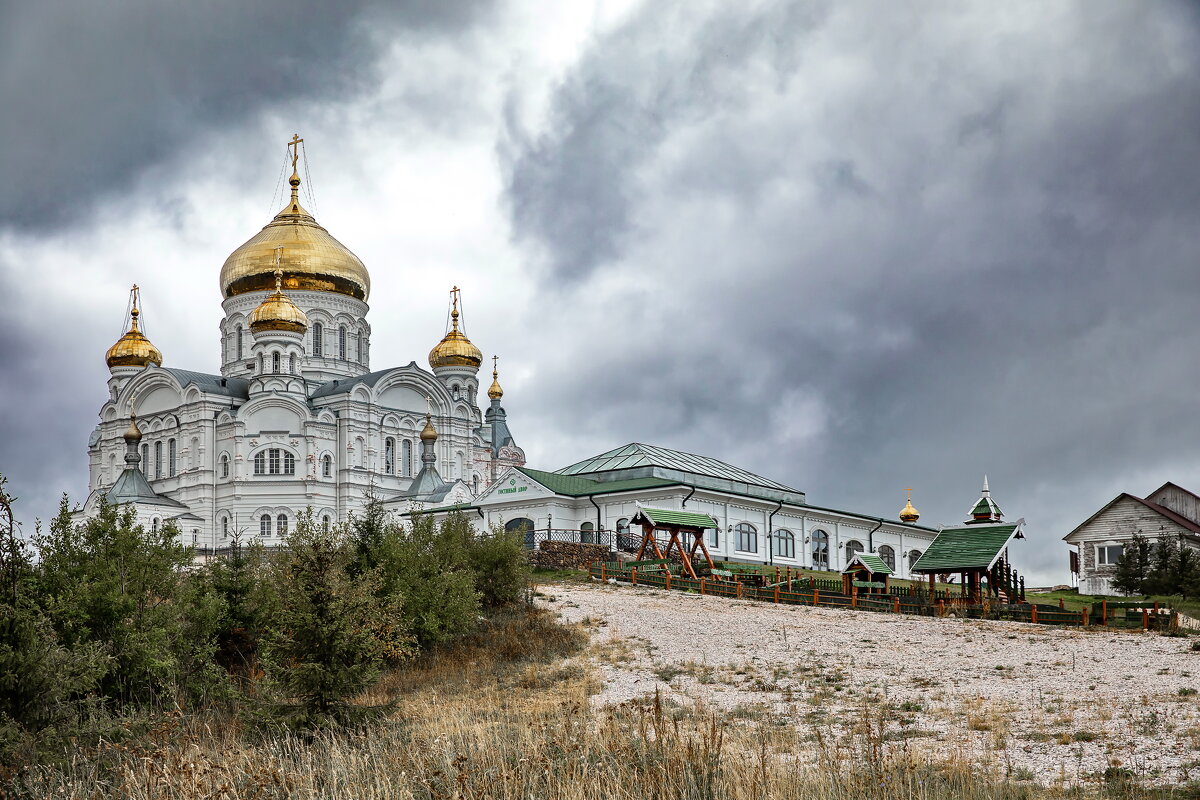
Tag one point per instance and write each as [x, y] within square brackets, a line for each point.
[678, 524]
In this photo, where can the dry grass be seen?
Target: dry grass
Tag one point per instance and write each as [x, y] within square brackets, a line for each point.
[503, 715]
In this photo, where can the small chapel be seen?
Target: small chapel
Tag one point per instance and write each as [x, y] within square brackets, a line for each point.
[296, 417]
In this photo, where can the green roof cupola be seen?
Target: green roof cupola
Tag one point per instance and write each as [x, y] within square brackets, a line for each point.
[985, 510]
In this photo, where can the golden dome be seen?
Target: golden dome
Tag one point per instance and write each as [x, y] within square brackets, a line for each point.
[455, 349]
[312, 259]
[133, 433]
[277, 312]
[494, 391]
[908, 513]
[428, 433]
[133, 349]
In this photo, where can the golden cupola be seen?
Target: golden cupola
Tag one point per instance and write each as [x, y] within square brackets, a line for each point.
[908, 513]
[277, 312]
[455, 349]
[429, 433]
[494, 391]
[313, 260]
[133, 349]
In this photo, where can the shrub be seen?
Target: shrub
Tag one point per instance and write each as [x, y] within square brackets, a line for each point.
[501, 566]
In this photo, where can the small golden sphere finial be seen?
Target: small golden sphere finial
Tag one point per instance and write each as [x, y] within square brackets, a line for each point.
[908, 513]
[494, 391]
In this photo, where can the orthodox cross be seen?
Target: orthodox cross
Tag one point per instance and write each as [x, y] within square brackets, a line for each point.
[494, 365]
[294, 146]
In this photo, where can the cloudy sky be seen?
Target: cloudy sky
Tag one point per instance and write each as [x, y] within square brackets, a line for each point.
[852, 246]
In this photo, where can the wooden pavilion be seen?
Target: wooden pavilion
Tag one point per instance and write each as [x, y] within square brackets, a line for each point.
[866, 572]
[978, 553]
[679, 525]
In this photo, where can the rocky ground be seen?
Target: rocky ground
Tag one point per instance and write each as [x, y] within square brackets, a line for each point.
[1049, 704]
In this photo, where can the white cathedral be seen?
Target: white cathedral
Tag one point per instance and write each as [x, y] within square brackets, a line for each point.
[296, 419]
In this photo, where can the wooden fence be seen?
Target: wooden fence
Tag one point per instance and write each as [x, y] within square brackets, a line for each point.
[824, 593]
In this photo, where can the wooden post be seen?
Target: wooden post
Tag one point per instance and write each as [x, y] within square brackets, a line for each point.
[1060, 603]
[633, 576]
[1145, 619]
[777, 593]
[667, 580]
[854, 597]
[1155, 606]
[816, 596]
[787, 576]
[1084, 614]
[739, 590]
[941, 607]
[896, 606]
[702, 586]
[777, 574]
[1033, 614]
[603, 570]
[1103, 612]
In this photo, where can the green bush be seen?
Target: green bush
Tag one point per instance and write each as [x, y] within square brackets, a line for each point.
[501, 566]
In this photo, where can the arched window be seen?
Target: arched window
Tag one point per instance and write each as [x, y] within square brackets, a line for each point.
[225, 466]
[587, 532]
[820, 549]
[292, 363]
[406, 447]
[224, 527]
[785, 544]
[913, 557]
[281, 525]
[362, 347]
[239, 343]
[195, 536]
[275, 363]
[273, 461]
[318, 344]
[154, 525]
[146, 460]
[361, 445]
[289, 463]
[158, 461]
[888, 555]
[171, 458]
[342, 342]
[260, 462]
[853, 548]
[521, 524]
[475, 483]
[747, 537]
[264, 526]
[454, 391]
[260, 364]
[389, 456]
[325, 523]
[326, 466]
[624, 538]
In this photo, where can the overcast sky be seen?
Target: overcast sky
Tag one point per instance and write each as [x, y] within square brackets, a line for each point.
[853, 247]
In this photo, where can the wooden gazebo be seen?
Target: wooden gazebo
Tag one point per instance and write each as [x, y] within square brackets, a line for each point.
[679, 525]
[979, 553]
[866, 571]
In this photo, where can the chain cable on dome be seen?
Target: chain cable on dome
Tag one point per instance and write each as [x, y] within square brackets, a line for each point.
[278, 193]
[308, 184]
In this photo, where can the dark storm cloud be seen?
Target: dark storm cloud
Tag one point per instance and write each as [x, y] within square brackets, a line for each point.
[959, 245]
[91, 93]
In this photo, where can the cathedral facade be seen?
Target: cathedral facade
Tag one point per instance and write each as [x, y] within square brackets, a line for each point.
[296, 418]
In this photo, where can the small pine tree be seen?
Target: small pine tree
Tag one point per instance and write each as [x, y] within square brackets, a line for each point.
[1133, 567]
[332, 632]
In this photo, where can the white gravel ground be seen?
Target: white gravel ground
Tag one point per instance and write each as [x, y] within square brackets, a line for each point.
[1047, 703]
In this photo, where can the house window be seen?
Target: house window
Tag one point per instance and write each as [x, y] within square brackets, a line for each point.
[820, 549]
[171, 458]
[624, 540]
[1109, 554]
[224, 527]
[275, 363]
[587, 533]
[325, 523]
[406, 447]
[853, 548]
[289, 463]
[260, 363]
[889, 556]
[224, 466]
[785, 544]
[342, 342]
[264, 526]
[239, 343]
[158, 460]
[913, 557]
[362, 347]
[260, 463]
[318, 344]
[146, 460]
[747, 537]
[292, 363]
[326, 466]
[154, 525]
[281, 524]
[475, 483]
[389, 456]
[454, 391]
[273, 461]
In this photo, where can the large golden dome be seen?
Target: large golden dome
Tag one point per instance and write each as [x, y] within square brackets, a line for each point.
[312, 259]
[277, 312]
[455, 349]
[133, 349]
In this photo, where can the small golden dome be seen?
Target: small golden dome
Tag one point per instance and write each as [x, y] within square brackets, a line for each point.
[133, 433]
[455, 349]
[313, 259]
[428, 433]
[277, 312]
[494, 391]
[133, 349]
[908, 513]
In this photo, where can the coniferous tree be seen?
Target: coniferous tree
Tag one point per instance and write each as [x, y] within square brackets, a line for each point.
[1133, 568]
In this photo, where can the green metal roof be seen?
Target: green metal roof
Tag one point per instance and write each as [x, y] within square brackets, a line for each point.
[970, 547]
[574, 486]
[645, 455]
[872, 562]
[684, 519]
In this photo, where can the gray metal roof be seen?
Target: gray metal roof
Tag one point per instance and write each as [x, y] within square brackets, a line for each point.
[132, 487]
[343, 385]
[211, 384]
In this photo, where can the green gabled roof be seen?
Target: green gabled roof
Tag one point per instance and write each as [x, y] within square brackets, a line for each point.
[969, 547]
[872, 562]
[684, 519]
[575, 486]
[645, 455]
